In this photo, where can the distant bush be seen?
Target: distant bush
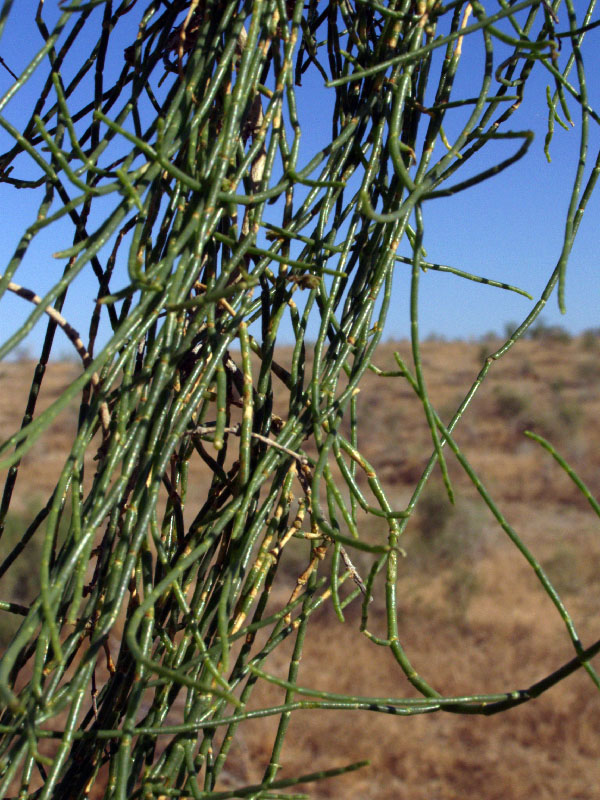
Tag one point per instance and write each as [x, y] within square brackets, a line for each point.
[564, 570]
[570, 416]
[511, 404]
[588, 371]
[510, 328]
[447, 533]
[461, 587]
[590, 339]
[554, 333]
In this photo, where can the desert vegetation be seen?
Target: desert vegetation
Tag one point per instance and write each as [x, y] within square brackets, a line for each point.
[248, 544]
[472, 612]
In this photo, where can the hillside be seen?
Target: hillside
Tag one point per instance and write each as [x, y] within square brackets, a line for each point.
[474, 618]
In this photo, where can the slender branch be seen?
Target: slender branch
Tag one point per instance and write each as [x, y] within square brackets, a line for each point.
[73, 336]
[236, 430]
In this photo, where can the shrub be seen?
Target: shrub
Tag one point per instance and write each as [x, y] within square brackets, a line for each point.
[590, 339]
[447, 534]
[553, 333]
[511, 404]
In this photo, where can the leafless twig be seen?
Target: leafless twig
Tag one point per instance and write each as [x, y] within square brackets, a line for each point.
[73, 337]
[236, 430]
[8, 69]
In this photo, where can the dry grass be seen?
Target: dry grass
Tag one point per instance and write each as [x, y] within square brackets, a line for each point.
[473, 618]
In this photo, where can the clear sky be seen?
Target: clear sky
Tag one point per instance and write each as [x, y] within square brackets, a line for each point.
[509, 229]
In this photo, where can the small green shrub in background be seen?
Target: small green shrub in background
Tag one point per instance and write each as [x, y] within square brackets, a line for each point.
[511, 404]
[590, 339]
[461, 588]
[510, 328]
[565, 570]
[447, 534]
[588, 371]
[570, 417]
[541, 331]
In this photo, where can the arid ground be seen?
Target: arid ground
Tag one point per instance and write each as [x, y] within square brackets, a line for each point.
[473, 617]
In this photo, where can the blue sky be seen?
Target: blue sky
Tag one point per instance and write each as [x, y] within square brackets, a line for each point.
[509, 228]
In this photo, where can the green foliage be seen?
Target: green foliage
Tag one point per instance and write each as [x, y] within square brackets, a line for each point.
[564, 569]
[552, 333]
[589, 371]
[590, 339]
[462, 587]
[202, 230]
[511, 404]
[448, 534]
